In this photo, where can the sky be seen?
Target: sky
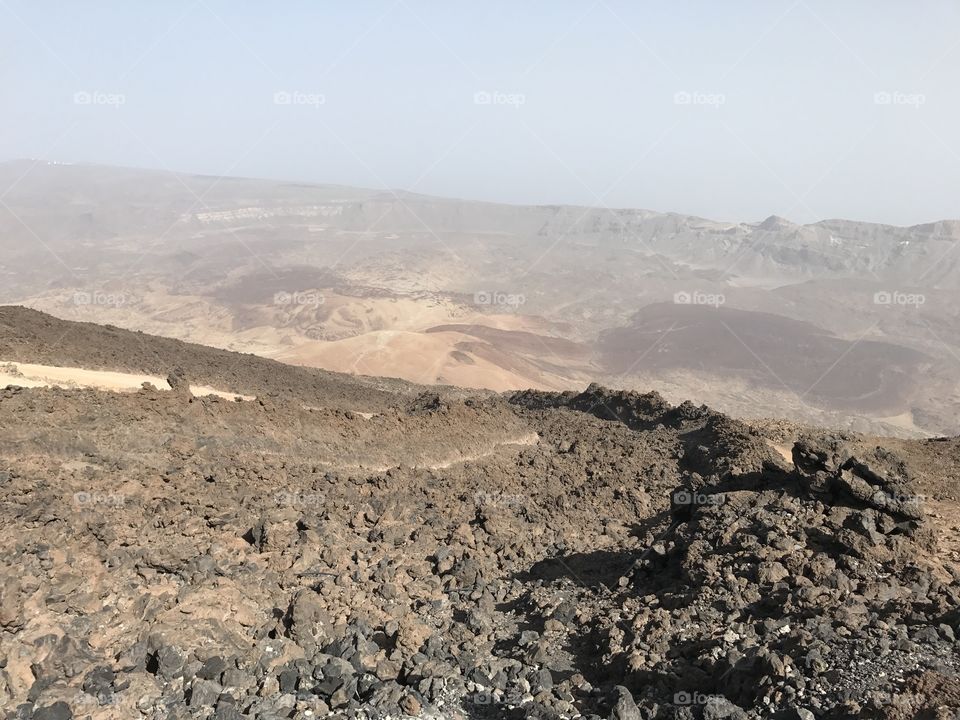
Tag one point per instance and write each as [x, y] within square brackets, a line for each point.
[731, 111]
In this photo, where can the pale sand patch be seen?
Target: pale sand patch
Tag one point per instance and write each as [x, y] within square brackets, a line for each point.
[904, 420]
[426, 358]
[32, 375]
[785, 451]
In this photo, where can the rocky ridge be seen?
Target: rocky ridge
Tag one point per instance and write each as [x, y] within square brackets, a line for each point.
[600, 554]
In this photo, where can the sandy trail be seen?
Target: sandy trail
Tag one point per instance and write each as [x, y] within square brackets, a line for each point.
[526, 440]
[456, 458]
[32, 375]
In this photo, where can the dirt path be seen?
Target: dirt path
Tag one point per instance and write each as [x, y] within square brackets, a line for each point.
[33, 375]
[457, 458]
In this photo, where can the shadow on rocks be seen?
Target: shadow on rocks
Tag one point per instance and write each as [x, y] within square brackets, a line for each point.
[590, 570]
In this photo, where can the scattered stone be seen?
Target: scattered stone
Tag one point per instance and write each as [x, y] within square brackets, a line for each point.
[624, 707]
[57, 711]
[246, 574]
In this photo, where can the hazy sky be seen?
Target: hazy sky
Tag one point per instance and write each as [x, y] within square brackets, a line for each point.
[730, 110]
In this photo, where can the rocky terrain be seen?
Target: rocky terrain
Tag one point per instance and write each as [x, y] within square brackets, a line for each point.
[842, 324]
[341, 546]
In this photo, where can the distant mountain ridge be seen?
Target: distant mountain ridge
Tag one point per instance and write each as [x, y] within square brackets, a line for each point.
[441, 290]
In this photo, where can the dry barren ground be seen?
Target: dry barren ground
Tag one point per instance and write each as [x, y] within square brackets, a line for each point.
[353, 547]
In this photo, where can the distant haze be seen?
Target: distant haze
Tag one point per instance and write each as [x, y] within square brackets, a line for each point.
[842, 324]
[807, 110]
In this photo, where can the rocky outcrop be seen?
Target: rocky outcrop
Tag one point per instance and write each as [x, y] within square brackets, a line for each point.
[268, 560]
